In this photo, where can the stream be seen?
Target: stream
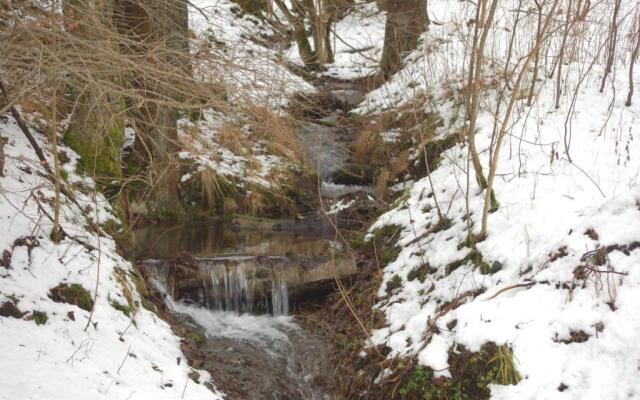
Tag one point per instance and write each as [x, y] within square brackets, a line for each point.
[243, 279]
[240, 300]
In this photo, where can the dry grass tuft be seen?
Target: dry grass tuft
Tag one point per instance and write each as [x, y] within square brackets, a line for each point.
[210, 186]
[233, 138]
[277, 133]
[255, 202]
[381, 182]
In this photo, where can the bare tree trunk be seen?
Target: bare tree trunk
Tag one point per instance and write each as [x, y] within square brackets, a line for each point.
[505, 124]
[157, 23]
[613, 39]
[476, 84]
[634, 57]
[3, 141]
[536, 61]
[561, 57]
[56, 232]
[296, 20]
[406, 20]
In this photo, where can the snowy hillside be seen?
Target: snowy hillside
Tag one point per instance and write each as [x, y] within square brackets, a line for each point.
[556, 280]
[52, 346]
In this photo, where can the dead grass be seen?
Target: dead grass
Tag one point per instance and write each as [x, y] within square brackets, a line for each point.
[255, 202]
[210, 186]
[277, 133]
[233, 138]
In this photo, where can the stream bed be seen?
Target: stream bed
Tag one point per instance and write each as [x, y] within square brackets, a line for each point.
[240, 280]
[253, 347]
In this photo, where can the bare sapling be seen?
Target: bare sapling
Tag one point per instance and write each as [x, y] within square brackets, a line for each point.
[612, 40]
[536, 60]
[560, 61]
[634, 57]
[493, 166]
[475, 84]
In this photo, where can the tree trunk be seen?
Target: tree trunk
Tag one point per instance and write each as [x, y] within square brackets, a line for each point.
[3, 141]
[96, 128]
[634, 57]
[406, 20]
[154, 24]
[296, 20]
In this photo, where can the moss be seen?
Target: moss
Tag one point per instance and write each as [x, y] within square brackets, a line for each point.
[196, 336]
[194, 375]
[389, 255]
[420, 379]
[420, 273]
[434, 150]
[72, 294]
[39, 317]
[123, 236]
[127, 310]
[148, 305]
[480, 263]
[99, 150]
[393, 284]
[494, 205]
[472, 374]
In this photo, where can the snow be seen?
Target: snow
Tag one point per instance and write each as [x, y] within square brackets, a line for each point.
[252, 73]
[357, 41]
[113, 357]
[534, 299]
[249, 69]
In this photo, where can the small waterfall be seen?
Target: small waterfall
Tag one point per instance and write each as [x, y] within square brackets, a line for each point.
[226, 286]
[232, 285]
[279, 297]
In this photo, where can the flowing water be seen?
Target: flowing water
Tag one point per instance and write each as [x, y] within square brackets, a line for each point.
[240, 293]
[239, 297]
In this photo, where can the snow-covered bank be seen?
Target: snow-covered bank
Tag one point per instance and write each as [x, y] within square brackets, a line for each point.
[556, 279]
[61, 355]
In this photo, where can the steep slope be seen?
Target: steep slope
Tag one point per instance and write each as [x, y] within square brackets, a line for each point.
[555, 282]
[53, 346]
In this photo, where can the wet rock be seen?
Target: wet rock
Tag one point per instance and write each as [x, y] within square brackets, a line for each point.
[316, 105]
[363, 208]
[354, 174]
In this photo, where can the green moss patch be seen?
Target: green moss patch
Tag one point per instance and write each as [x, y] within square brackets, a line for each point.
[72, 294]
[39, 317]
[420, 273]
[393, 284]
[472, 373]
[125, 309]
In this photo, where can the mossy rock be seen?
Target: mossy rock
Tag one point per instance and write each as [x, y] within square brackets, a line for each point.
[72, 294]
[196, 336]
[355, 174]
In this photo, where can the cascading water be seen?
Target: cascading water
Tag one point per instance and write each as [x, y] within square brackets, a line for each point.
[231, 285]
[254, 357]
[279, 297]
[226, 287]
